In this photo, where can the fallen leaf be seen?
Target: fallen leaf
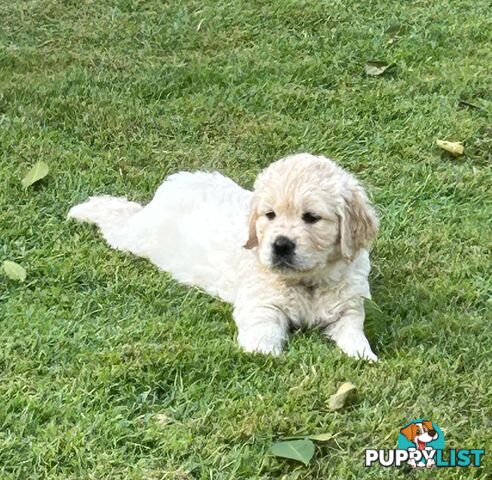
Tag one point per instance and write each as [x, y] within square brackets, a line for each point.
[375, 68]
[39, 171]
[321, 437]
[455, 148]
[344, 394]
[317, 437]
[14, 271]
[300, 450]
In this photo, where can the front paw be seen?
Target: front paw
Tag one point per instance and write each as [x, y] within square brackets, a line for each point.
[261, 340]
[359, 350]
[365, 354]
[351, 340]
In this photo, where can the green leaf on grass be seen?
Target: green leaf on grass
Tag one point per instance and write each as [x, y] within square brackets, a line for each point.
[321, 437]
[317, 437]
[300, 450]
[14, 271]
[39, 171]
[343, 396]
[375, 68]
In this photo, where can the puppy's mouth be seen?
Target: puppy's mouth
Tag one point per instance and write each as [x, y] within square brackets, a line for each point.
[284, 265]
[287, 266]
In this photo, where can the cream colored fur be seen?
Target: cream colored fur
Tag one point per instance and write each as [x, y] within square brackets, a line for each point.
[207, 231]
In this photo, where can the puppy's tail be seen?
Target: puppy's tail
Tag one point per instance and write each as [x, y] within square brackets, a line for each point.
[110, 214]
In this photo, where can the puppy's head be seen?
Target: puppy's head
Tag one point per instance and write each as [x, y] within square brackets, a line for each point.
[307, 211]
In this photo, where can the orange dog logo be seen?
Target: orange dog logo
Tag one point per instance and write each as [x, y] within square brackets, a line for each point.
[420, 434]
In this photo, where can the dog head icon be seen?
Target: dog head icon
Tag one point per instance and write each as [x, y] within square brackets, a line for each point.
[420, 433]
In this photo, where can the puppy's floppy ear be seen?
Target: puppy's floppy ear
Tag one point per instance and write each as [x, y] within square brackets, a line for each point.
[358, 221]
[410, 431]
[428, 424]
[253, 216]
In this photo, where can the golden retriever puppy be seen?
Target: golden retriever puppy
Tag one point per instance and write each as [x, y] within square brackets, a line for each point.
[292, 253]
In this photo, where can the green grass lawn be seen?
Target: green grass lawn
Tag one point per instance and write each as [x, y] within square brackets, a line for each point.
[111, 370]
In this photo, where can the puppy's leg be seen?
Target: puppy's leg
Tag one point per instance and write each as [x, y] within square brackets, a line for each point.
[348, 334]
[261, 329]
[110, 214]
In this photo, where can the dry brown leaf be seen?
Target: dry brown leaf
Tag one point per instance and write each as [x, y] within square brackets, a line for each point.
[342, 397]
[375, 68]
[455, 148]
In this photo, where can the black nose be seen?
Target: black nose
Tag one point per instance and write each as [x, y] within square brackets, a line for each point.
[283, 247]
[432, 433]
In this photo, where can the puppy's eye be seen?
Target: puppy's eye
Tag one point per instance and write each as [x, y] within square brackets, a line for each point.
[309, 217]
[270, 215]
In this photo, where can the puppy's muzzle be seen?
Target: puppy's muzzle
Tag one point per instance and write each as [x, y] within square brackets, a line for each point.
[283, 250]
